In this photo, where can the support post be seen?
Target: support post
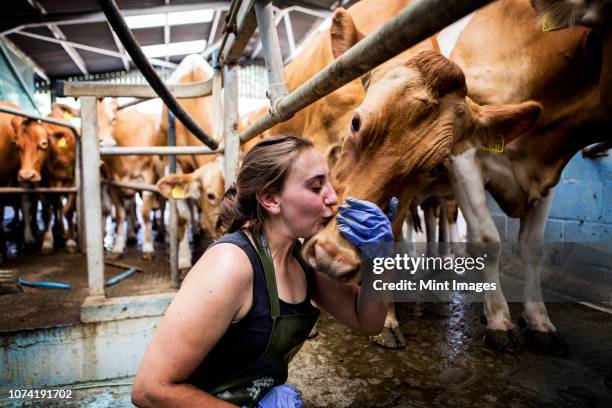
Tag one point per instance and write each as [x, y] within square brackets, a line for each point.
[174, 241]
[230, 125]
[272, 53]
[91, 190]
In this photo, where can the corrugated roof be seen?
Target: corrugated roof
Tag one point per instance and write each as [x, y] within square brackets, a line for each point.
[57, 63]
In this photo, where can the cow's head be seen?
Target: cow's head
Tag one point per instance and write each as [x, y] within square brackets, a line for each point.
[400, 139]
[206, 185]
[32, 140]
[563, 13]
[106, 113]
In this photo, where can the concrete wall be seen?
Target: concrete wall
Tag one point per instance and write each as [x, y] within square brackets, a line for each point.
[582, 205]
[109, 345]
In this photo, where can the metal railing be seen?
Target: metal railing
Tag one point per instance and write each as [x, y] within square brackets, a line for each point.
[416, 22]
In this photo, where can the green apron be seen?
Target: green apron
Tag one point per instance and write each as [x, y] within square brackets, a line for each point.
[288, 334]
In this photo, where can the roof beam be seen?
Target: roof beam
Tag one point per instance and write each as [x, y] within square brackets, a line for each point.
[125, 58]
[59, 34]
[29, 61]
[99, 17]
[103, 51]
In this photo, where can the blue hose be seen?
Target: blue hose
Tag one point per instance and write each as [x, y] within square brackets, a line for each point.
[121, 277]
[55, 285]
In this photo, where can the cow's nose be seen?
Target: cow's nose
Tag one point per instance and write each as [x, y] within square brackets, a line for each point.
[28, 175]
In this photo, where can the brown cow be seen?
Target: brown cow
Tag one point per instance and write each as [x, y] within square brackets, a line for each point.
[9, 157]
[59, 171]
[205, 185]
[132, 128]
[408, 150]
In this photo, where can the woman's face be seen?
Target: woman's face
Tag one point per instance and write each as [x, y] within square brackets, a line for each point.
[308, 197]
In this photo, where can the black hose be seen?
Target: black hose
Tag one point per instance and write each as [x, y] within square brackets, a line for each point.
[115, 19]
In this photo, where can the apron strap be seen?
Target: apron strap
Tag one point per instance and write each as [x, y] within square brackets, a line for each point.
[263, 248]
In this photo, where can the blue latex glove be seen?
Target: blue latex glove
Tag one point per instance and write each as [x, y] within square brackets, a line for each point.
[282, 396]
[363, 223]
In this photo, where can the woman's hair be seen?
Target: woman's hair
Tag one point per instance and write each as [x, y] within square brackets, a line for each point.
[264, 170]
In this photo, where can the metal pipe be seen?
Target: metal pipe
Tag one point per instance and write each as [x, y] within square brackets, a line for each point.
[245, 27]
[133, 103]
[48, 190]
[174, 235]
[272, 52]
[230, 126]
[159, 150]
[415, 23]
[78, 199]
[91, 190]
[131, 185]
[101, 89]
[131, 45]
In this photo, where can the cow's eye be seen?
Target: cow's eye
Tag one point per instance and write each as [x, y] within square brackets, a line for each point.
[211, 196]
[437, 170]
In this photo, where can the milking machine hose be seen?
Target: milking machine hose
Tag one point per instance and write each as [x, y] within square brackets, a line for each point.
[121, 277]
[115, 19]
[55, 285]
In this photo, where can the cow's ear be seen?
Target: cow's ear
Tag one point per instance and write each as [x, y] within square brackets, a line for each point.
[16, 122]
[178, 186]
[332, 155]
[343, 32]
[509, 121]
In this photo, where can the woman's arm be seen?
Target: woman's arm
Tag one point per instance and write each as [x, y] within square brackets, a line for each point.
[216, 291]
[343, 302]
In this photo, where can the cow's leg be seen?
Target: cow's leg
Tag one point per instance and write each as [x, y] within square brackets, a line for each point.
[391, 336]
[443, 231]
[132, 221]
[183, 217]
[107, 208]
[68, 212]
[160, 236]
[147, 205]
[541, 332]
[48, 210]
[468, 186]
[26, 210]
[119, 244]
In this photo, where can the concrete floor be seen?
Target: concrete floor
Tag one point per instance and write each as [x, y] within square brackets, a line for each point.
[443, 365]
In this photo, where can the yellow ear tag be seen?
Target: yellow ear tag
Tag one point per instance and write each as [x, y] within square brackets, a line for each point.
[494, 143]
[62, 143]
[67, 115]
[549, 25]
[177, 192]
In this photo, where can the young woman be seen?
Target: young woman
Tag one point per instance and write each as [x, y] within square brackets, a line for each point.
[244, 309]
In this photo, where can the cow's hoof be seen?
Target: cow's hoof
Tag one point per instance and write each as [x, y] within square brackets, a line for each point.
[391, 338]
[550, 343]
[71, 246]
[131, 241]
[147, 256]
[113, 256]
[46, 250]
[314, 332]
[508, 341]
[160, 237]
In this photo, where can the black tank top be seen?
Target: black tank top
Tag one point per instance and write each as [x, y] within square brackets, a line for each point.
[245, 340]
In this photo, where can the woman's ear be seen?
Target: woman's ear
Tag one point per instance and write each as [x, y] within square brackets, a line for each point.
[269, 202]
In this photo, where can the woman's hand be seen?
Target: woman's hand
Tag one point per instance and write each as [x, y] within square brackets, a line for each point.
[363, 222]
[282, 396]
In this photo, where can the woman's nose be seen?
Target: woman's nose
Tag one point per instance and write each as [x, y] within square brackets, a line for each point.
[331, 198]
